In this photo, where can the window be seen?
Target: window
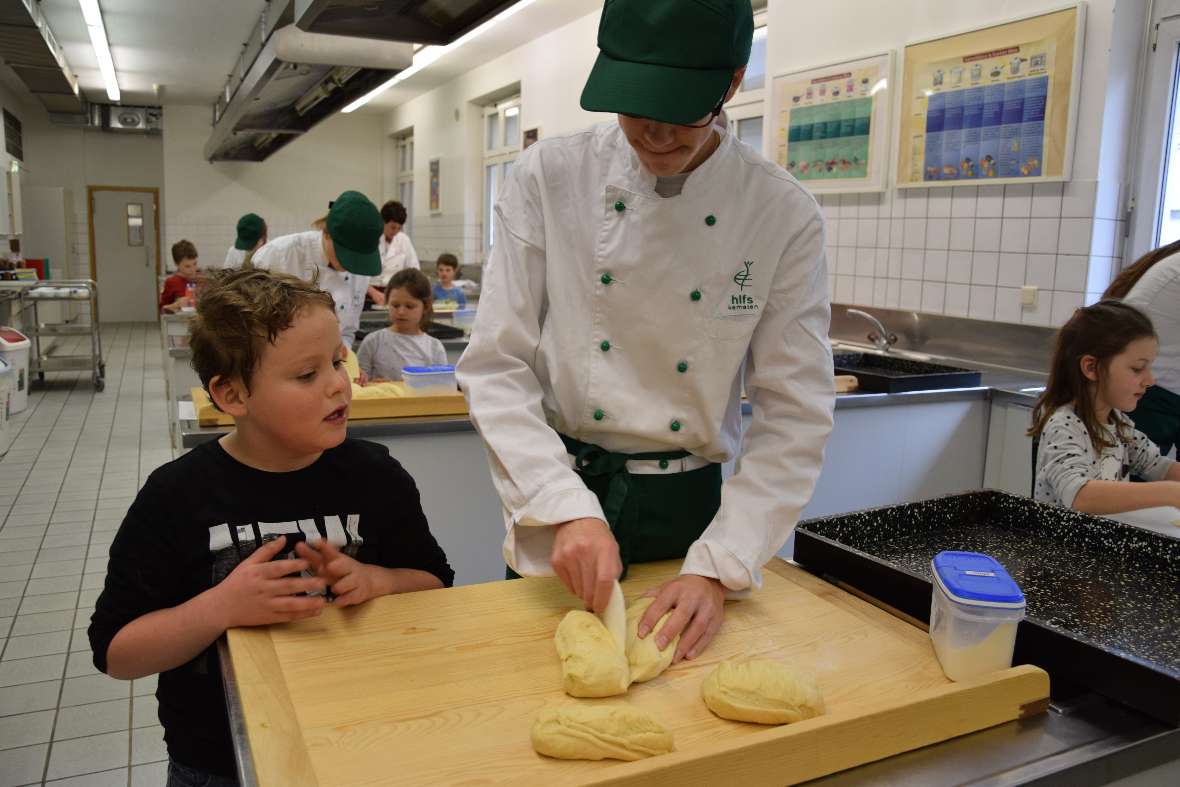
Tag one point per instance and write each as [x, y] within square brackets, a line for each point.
[13, 137]
[134, 223]
[501, 143]
[746, 108]
[405, 178]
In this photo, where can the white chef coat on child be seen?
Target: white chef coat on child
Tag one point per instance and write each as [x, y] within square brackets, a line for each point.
[396, 255]
[1157, 294]
[723, 284]
[302, 255]
[235, 258]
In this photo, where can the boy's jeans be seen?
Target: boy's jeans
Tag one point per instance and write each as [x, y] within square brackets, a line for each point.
[180, 775]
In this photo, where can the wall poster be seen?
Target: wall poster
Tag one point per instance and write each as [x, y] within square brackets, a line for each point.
[831, 124]
[996, 104]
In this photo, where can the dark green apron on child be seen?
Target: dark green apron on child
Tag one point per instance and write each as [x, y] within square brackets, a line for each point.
[653, 516]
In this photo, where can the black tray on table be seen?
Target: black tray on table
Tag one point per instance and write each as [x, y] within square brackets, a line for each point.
[1103, 597]
[892, 374]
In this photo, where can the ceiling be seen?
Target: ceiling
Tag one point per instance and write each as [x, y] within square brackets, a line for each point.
[187, 47]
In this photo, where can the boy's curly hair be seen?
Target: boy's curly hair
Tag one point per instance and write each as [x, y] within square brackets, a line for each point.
[239, 312]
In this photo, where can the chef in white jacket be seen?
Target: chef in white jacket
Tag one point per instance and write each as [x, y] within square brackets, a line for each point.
[251, 236]
[643, 271]
[397, 251]
[340, 257]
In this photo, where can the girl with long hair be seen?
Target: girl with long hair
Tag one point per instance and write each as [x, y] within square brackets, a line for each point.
[1088, 447]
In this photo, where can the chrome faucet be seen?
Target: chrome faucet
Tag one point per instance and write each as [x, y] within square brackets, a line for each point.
[881, 337]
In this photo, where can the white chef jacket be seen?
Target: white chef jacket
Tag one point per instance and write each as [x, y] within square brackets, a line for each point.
[396, 255]
[1157, 294]
[302, 255]
[235, 258]
[728, 277]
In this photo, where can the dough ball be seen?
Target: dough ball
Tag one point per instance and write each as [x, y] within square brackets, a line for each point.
[761, 691]
[646, 660]
[592, 665]
[599, 731]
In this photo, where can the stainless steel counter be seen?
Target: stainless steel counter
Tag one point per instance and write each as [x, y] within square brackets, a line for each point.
[1084, 741]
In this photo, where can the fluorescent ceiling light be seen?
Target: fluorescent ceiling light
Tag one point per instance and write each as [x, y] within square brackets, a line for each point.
[102, 49]
[428, 54]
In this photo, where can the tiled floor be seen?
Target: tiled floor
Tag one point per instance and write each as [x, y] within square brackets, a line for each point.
[75, 462]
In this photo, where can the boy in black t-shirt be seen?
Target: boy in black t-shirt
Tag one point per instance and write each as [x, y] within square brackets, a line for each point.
[256, 527]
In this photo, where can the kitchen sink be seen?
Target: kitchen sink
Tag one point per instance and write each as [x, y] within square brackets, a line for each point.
[892, 374]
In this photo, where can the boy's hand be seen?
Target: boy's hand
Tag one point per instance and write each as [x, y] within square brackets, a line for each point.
[259, 592]
[351, 581]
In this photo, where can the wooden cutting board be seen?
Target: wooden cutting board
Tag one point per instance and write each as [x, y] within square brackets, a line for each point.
[442, 687]
[377, 400]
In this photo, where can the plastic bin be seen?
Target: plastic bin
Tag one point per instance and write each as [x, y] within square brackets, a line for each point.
[14, 349]
[430, 380]
[7, 383]
[975, 610]
[463, 318]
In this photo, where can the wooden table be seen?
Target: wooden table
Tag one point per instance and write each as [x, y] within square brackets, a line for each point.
[441, 687]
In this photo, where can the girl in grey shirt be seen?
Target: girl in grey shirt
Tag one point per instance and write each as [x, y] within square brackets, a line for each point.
[385, 353]
[1088, 448]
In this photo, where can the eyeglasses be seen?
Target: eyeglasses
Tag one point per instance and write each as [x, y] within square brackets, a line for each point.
[704, 123]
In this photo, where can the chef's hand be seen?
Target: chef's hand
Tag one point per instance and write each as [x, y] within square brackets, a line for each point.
[698, 607]
[586, 559]
[351, 581]
[376, 296]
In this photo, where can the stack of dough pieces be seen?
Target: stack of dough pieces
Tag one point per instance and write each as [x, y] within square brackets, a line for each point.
[593, 664]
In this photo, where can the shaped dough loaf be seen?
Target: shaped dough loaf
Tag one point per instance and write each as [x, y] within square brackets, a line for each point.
[761, 691]
[592, 664]
[598, 731]
[646, 660]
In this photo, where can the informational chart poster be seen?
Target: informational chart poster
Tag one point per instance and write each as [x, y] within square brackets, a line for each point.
[996, 104]
[831, 124]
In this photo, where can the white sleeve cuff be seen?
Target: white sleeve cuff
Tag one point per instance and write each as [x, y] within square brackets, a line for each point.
[710, 559]
[529, 542]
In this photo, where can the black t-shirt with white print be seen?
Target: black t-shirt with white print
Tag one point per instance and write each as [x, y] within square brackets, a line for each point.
[197, 517]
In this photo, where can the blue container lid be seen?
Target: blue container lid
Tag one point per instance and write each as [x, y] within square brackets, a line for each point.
[442, 369]
[976, 579]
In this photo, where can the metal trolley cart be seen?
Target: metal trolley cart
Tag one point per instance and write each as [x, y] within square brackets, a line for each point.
[43, 358]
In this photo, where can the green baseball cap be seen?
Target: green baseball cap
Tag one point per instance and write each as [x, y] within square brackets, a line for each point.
[668, 60]
[250, 229]
[354, 225]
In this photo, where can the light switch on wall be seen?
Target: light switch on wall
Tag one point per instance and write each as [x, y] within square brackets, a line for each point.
[1028, 296]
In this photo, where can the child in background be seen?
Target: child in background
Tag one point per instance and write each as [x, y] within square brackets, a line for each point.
[383, 354]
[285, 492]
[181, 287]
[1088, 447]
[448, 270]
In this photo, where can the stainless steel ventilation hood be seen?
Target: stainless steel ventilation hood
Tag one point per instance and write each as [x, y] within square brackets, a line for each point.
[28, 47]
[419, 21]
[307, 59]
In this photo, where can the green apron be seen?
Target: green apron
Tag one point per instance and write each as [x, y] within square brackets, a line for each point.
[1158, 417]
[652, 516]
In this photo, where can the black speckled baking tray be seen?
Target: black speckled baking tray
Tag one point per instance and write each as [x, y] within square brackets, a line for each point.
[890, 374]
[1103, 597]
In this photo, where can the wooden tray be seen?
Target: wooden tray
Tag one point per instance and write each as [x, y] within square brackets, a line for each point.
[442, 687]
[382, 400]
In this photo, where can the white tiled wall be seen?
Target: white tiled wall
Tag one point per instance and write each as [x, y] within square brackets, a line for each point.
[966, 251]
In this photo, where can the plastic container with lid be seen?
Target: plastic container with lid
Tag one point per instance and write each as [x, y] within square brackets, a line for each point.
[463, 318]
[14, 348]
[974, 614]
[430, 380]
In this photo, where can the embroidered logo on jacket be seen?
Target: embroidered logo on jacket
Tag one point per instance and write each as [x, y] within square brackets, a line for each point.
[739, 303]
[743, 277]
